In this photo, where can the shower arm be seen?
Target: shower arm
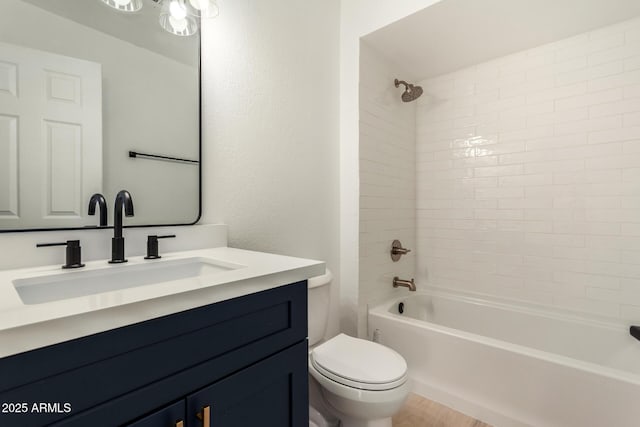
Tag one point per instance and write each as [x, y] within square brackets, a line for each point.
[399, 82]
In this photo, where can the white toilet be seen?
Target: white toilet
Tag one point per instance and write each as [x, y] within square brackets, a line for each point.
[362, 383]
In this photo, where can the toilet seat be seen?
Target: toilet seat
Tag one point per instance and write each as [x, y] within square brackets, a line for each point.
[359, 363]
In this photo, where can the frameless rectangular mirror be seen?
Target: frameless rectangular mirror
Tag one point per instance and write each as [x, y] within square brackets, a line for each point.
[96, 100]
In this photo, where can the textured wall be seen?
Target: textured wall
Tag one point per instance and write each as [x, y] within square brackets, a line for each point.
[271, 159]
[528, 175]
[387, 180]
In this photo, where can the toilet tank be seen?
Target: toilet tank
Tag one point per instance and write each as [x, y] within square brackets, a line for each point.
[319, 296]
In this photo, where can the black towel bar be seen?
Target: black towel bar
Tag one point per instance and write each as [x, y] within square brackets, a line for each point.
[135, 154]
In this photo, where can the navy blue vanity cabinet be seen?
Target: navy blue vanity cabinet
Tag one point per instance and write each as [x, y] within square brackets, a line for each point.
[245, 359]
[171, 416]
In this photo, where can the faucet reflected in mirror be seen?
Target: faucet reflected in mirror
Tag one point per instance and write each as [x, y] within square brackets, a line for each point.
[99, 200]
[123, 202]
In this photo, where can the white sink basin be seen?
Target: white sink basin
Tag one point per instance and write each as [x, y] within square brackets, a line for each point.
[72, 284]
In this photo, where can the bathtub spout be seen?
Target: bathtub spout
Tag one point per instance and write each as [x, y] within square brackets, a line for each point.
[405, 283]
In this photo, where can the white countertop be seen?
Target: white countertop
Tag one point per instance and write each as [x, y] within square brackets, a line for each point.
[28, 326]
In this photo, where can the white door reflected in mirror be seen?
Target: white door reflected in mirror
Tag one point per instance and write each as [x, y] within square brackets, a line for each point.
[50, 138]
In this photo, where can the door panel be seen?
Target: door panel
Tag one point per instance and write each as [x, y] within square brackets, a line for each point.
[8, 165]
[271, 393]
[51, 131]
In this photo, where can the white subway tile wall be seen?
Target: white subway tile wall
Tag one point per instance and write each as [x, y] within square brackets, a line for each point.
[387, 180]
[528, 175]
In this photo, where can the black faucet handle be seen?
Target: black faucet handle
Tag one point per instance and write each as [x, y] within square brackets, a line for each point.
[46, 245]
[74, 252]
[152, 245]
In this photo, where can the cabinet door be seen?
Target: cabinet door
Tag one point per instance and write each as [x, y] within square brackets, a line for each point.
[271, 393]
[170, 416]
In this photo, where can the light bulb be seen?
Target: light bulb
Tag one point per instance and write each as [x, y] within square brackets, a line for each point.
[177, 10]
[210, 10]
[204, 8]
[122, 3]
[179, 25]
[176, 19]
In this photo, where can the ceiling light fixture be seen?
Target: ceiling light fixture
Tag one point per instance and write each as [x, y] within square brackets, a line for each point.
[175, 19]
[179, 17]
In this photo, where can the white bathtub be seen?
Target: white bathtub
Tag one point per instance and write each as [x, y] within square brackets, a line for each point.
[514, 365]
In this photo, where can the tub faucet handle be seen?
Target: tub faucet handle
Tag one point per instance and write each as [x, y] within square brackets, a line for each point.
[404, 283]
[397, 250]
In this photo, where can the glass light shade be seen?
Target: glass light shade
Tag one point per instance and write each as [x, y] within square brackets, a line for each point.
[177, 9]
[203, 8]
[174, 18]
[124, 5]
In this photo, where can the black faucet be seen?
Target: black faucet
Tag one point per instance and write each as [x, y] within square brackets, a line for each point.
[123, 201]
[99, 200]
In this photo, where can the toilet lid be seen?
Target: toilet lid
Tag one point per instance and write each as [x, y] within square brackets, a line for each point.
[360, 363]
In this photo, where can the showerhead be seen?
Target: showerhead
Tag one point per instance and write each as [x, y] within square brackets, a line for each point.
[411, 92]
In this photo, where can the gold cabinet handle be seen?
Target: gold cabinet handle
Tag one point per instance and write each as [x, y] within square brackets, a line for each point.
[180, 423]
[205, 416]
